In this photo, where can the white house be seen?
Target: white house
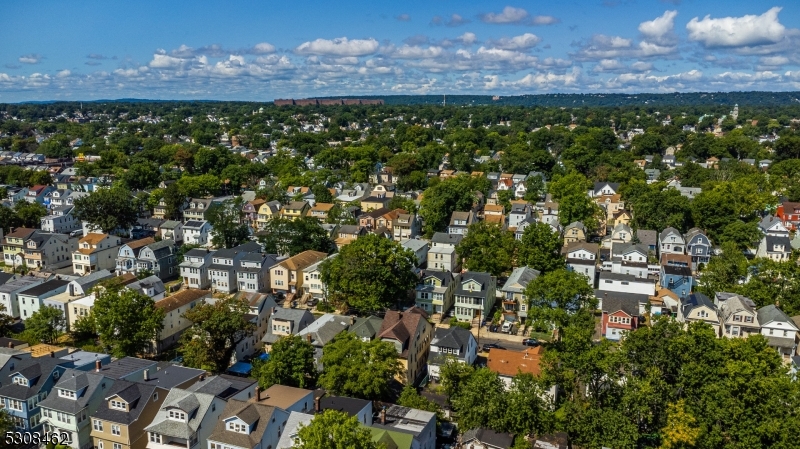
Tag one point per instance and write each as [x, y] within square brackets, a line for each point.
[455, 342]
[196, 232]
[779, 330]
[625, 283]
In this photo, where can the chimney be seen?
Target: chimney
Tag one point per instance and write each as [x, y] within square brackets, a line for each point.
[11, 344]
[383, 415]
[97, 365]
[308, 338]
[147, 374]
[258, 393]
[316, 404]
[52, 354]
[202, 377]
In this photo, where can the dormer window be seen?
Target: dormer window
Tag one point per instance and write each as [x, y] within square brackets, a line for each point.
[177, 415]
[19, 380]
[66, 394]
[236, 427]
[118, 405]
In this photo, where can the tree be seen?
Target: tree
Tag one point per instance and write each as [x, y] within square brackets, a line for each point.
[334, 430]
[370, 273]
[291, 363]
[454, 374]
[287, 236]
[743, 235]
[352, 367]
[217, 328]
[540, 248]
[411, 398]
[29, 215]
[228, 227]
[481, 401]
[487, 247]
[107, 209]
[174, 200]
[526, 410]
[723, 271]
[681, 430]
[6, 321]
[8, 219]
[534, 188]
[558, 295]
[127, 321]
[442, 199]
[46, 324]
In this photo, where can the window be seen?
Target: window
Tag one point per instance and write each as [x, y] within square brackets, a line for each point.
[66, 394]
[119, 405]
[748, 319]
[178, 415]
[115, 430]
[117, 446]
[13, 404]
[99, 445]
[236, 427]
[19, 380]
[155, 438]
[97, 425]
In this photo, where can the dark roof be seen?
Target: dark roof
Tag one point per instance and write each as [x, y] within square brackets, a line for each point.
[126, 366]
[444, 238]
[171, 376]
[5, 277]
[615, 303]
[222, 386]
[770, 313]
[36, 370]
[696, 300]
[137, 395]
[677, 270]
[46, 287]
[488, 436]
[351, 406]
[198, 252]
[229, 253]
[483, 278]
[74, 380]
[194, 224]
[256, 415]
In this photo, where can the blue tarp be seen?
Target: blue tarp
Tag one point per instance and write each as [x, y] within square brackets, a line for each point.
[264, 357]
[241, 368]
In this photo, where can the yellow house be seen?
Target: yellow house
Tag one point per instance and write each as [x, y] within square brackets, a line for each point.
[266, 212]
[320, 211]
[295, 210]
[574, 232]
[287, 275]
[126, 410]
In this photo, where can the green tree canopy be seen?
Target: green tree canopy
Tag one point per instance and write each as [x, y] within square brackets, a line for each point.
[46, 324]
[370, 273]
[334, 430]
[488, 248]
[558, 295]
[290, 237]
[127, 321]
[440, 200]
[228, 227]
[107, 209]
[291, 363]
[217, 328]
[540, 248]
[352, 367]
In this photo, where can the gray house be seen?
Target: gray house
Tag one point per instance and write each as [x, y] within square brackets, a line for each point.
[160, 258]
[222, 271]
[698, 246]
[284, 322]
[194, 268]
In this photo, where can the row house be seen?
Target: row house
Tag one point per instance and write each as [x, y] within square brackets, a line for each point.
[435, 291]
[775, 243]
[287, 275]
[514, 300]
[32, 299]
[442, 253]
[194, 268]
[267, 212]
[9, 293]
[581, 257]
[95, 252]
[184, 419]
[252, 271]
[222, 271]
[475, 295]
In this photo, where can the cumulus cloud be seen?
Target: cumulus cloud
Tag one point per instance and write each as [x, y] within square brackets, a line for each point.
[467, 38]
[658, 39]
[403, 17]
[63, 73]
[453, 21]
[661, 29]
[339, 47]
[32, 58]
[521, 42]
[262, 48]
[745, 31]
[516, 16]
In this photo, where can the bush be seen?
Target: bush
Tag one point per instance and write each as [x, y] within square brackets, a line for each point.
[325, 307]
[454, 322]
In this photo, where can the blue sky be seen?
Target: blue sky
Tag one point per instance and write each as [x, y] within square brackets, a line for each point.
[261, 50]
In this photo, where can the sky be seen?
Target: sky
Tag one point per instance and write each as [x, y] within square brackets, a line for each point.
[267, 49]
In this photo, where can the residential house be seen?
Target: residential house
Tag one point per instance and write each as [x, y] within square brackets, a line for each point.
[604, 189]
[455, 342]
[621, 217]
[266, 212]
[621, 315]
[197, 209]
[581, 257]
[171, 230]
[323, 330]
[126, 409]
[160, 210]
[649, 239]
[284, 322]
[671, 241]
[224, 262]
[460, 221]
[60, 220]
[366, 328]
[129, 252]
[287, 274]
[295, 210]
[773, 247]
[79, 308]
[312, 281]
[475, 295]
[442, 254]
[68, 409]
[320, 211]
[194, 268]
[789, 214]
[406, 226]
[347, 234]
[620, 234]
[411, 334]
[611, 205]
[174, 307]
[514, 300]
[773, 226]
[38, 193]
[185, 419]
[435, 291]
[676, 278]
[574, 232]
[150, 286]
[252, 271]
[247, 425]
[10, 290]
[738, 316]
[697, 307]
[44, 250]
[520, 211]
[375, 202]
[95, 252]
[29, 382]
[359, 408]
[290, 399]
[196, 233]
[250, 211]
[509, 363]
[779, 330]
[31, 299]
[480, 438]
[371, 220]
[289, 434]
[226, 387]
[630, 259]
[159, 258]
[625, 283]
[698, 246]
[398, 423]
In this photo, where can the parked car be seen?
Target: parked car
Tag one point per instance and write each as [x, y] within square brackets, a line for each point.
[530, 342]
[488, 346]
[507, 325]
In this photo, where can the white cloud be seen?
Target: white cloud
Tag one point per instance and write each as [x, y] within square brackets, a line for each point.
[521, 42]
[414, 52]
[509, 15]
[658, 29]
[63, 73]
[164, 61]
[339, 47]
[263, 48]
[467, 38]
[773, 61]
[32, 58]
[745, 31]
[544, 20]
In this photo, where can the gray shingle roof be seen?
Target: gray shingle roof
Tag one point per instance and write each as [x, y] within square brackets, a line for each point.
[85, 384]
[249, 412]
[137, 396]
[772, 313]
[367, 327]
[521, 276]
[177, 397]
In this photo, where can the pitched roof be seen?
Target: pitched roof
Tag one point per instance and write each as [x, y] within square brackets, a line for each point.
[139, 244]
[93, 238]
[506, 362]
[454, 338]
[21, 233]
[576, 246]
[401, 326]
[283, 396]
[181, 298]
[183, 400]
[76, 381]
[222, 386]
[696, 300]
[351, 406]
[302, 260]
[519, 279]
[366, 327]
[772, 313]
[137, 395]
[254, 414]
[488, 436]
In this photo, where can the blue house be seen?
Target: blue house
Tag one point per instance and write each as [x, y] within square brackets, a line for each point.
[678, 279]
[28, 384]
